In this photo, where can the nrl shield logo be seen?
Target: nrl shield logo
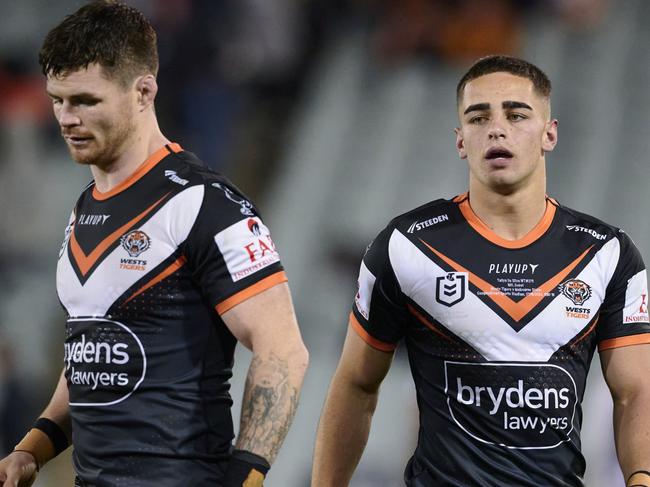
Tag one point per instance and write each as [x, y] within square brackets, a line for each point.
[450, 289]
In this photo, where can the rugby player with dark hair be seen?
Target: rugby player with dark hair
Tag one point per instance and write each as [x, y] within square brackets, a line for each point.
[501, 296]
[165, 266]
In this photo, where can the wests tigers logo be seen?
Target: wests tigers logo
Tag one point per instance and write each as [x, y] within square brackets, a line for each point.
[135, 242]
[576, 290]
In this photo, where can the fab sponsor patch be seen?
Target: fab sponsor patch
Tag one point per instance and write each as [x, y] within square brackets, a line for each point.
[516, 405]
[246, 247]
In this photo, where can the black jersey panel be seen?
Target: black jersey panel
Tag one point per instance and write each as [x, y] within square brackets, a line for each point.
[147, 359]
[379, 305]
[500, 336]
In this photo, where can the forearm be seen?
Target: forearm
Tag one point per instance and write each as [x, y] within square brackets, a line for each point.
[58, 409]
[632, 432]
[270, 400]
[51, 433]
[342, 432]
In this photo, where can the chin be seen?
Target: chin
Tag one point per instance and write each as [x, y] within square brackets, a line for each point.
[83, 158]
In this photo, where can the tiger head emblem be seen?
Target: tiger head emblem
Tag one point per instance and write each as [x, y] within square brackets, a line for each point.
[135, 242]
[576, 290]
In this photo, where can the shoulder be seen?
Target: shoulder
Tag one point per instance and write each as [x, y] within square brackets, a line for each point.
[430, 214]
[186, 169]
[576, 221]
[592, 227]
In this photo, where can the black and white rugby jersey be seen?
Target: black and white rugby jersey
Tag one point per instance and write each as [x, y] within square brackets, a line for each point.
[144, 274]
[500, 335]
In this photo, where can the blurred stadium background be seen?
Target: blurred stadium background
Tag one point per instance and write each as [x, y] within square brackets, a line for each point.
[334, 116]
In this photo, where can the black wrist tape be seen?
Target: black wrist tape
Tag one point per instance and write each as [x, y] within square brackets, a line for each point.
[257, 461]
[54, 432]
[240, 466]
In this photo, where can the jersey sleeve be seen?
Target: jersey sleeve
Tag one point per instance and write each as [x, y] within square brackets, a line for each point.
[230, 249]
[379, 314]
[623, 317]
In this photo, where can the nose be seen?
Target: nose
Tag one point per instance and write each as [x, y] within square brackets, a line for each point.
[496, 129]
[67, 116]
[496, 132]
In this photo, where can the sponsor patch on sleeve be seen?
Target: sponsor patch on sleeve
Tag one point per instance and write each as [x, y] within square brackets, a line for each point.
[246, 247]
[636, 299]
[365, 284]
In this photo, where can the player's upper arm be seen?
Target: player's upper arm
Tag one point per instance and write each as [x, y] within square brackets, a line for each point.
[362, 365]
[626, 370]
[265, 321]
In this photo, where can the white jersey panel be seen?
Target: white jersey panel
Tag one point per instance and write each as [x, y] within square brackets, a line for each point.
[490, 335]
[166, 230]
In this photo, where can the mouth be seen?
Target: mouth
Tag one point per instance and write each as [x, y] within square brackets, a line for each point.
[75, 140]
[498, 154]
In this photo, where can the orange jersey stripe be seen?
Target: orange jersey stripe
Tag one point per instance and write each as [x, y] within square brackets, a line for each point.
[516, 310]
[173, 267]
[624, 341]
[85, 262]
[143, 169]
[588, 332]
[370, 340]
[426, 322]
[249, 292]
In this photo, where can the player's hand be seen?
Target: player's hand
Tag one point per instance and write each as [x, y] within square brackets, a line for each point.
[245, 469]
[17, 470]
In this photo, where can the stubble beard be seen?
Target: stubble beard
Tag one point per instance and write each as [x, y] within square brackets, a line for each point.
[104, 153]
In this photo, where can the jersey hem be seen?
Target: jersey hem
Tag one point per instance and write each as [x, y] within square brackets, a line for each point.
[370, 340]
[626, 341]
[252, 290]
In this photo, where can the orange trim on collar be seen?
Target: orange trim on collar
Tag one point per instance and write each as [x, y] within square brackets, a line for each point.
[143, 169]
[477, 224]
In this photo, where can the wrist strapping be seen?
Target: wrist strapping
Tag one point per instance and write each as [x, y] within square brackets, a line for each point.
[44, 441]
[245, 468]
[640, 478]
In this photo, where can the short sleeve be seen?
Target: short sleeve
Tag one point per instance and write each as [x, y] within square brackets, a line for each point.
[230, 249]
[379, 314]
[624, 314]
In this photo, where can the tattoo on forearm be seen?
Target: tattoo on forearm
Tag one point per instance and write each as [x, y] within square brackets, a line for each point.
[269, 403]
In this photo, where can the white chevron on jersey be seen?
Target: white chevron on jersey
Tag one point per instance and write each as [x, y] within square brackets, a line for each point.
[492, 336]
[167, 229]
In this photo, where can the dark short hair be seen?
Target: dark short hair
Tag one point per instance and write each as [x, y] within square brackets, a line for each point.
[506, 64]
[114, 35]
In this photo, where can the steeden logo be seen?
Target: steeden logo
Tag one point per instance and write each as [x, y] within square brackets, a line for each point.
[420, 225]
[175, 178]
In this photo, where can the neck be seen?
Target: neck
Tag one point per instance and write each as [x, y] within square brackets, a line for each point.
[511, 216]
[134, 152]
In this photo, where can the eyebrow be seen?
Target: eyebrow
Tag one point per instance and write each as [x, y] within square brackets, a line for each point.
[77, 96]
[479, 107]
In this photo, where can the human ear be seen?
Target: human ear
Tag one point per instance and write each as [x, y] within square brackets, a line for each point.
[146, 87]
[550, 136]
[460, 143]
